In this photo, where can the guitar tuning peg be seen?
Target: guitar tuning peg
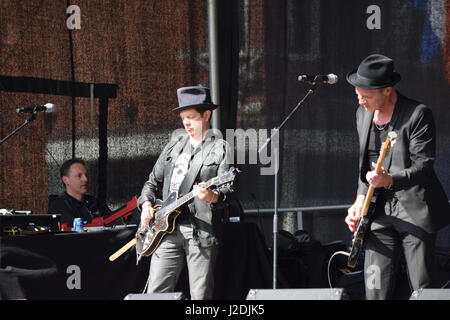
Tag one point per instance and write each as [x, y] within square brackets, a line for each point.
[393, 136]
[234, 170]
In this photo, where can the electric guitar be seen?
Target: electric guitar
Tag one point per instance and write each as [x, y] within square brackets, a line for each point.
[148, 237]
[369, 206]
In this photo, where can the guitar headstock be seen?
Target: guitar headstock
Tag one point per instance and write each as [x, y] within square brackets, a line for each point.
[393, 138]
[388, 143]
[226, 178]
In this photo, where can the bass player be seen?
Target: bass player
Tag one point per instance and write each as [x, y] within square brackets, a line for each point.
[411, 203]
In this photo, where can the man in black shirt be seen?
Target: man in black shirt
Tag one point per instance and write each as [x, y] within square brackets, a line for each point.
[411, 205]
[74, 202]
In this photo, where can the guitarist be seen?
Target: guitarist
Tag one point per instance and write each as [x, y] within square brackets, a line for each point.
[411, 204]
[185, 164]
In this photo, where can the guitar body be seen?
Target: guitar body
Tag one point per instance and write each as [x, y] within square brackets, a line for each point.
[359, 236]
[149, 237]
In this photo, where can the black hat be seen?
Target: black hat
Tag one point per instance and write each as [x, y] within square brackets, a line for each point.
[375, 72]
[194, 97]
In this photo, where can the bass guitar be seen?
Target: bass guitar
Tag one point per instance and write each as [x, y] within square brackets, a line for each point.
[148, 237]
[369, 206]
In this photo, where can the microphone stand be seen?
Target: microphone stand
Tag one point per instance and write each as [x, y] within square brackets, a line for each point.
[275, 132]
[31, 119]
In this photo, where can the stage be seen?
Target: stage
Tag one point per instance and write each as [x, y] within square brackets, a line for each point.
[66, 265]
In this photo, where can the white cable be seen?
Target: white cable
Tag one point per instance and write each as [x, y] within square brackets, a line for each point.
[329, 263]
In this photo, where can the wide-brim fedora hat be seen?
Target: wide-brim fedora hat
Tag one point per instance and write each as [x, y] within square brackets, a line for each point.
[194, 97]
[375, 72]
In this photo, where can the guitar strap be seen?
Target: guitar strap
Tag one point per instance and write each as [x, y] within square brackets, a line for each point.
[200, 155]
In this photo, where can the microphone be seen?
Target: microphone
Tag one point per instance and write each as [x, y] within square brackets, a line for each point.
[46, 108]
[329, 78]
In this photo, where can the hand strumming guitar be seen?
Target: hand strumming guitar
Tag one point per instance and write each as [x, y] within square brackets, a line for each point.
[354, 213]
[147, 213]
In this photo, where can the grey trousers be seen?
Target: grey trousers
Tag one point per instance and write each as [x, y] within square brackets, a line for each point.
[169, 259]
[392, 235]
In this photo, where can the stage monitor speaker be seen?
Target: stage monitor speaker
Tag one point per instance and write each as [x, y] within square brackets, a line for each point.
[431, 294]
[155, 296]
[297, 294]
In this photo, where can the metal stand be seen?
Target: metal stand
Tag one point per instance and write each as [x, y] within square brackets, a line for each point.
[275, 131]
[275, 218]
[31, 119]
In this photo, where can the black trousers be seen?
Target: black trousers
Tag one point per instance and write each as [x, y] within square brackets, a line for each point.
[392, 235]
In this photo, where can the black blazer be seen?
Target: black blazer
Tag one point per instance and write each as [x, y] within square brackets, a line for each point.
[212, 160]
[410, 162]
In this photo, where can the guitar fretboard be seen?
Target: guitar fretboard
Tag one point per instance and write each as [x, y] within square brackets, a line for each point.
[181, 201]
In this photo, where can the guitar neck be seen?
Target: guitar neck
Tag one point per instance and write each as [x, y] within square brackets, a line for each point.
[184, 199]
[367, 201]
[378, 166]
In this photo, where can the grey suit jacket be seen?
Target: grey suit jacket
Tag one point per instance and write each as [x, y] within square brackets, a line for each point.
[410, 162]
[209, 162]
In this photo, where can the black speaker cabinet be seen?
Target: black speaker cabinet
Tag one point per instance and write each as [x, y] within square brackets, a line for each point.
[155, 296]
[431, 294]
[296, 294]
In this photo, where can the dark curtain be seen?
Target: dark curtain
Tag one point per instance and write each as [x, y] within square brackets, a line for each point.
[150, 48]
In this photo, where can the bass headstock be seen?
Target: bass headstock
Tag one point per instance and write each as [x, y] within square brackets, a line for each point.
[388, 143]
[393, 138]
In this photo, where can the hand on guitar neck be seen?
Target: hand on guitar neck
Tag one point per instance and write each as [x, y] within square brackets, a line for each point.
[205, 194]
[378, 180]
[201, 193]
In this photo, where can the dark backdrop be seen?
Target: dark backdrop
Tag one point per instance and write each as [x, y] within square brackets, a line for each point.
[150, 48]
